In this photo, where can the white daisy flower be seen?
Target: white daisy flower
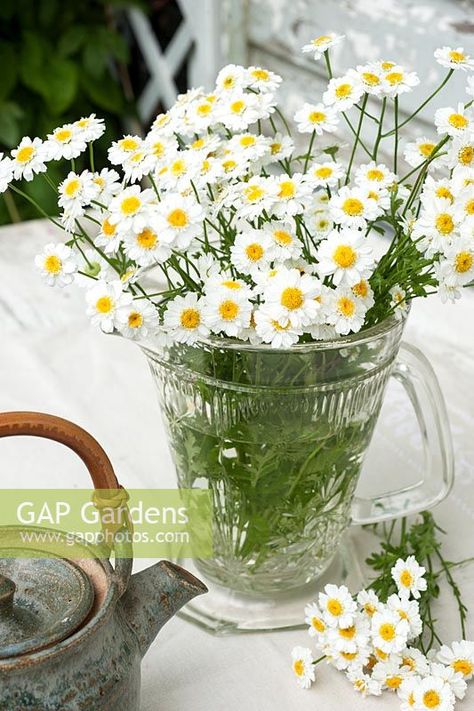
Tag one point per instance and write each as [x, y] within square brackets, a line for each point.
[89, 128]
[406, 692]
[447, 291]
[280, 147]
[227, 312]
[433, 694]
[398, 81]
[28, 158]
[179, 170]
[316, 117]
[255, 196]
[231, 78]
[418, 151]
[408, 577]
[374, 175]
[389, 631]
[103, 302]
[161, 147]
[324, 174]
[315, 621]
[130, 209]
[389, 674]
[364, 683]
[179, 220]
[371, 78]
[238, 111]
[6, 172]
[251, 251]
[185, 319]
[302, 665]
[454, 679]
[249, 145]
[415, 662]
[57, 264]
[278, 334]
[262, 79]
[459, 656]
[321, 44]
[460, 152]
[465, 204]
[454, 58]
[76, 191]
[456, 122]
[346, 255]
[137, 320]
[350, 207]
[320, 222]
[346, 660]
[433, 189]
[284, 242]
[436, 227]
[225, 283]
[350, 639]
[107, 184]
[408, 610]
[368, 602]
[462, 177]
[363, 291]
[138, 164]
[291, 297]
[293, 195]
[108, 237]
[346, 312]
[121, 149]
[145, 247]
[458, 265]
[200, 116]
[163, 125]
[337, 605]
[343, 93]
[65, 142]
[231, 165]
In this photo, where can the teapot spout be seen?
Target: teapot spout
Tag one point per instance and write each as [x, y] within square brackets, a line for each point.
[154, 595]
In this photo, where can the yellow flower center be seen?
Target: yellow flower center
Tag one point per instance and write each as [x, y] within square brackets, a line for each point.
[229, 310]
[469, 207]
[229, 165]
[411, 698]
[394, 78]
[298, 667]
[368, 607]
[466, 155]
[99, 180]
[128, 144]
[458, 121]
[316, 622]
[343, 91]
[178, 167]
[137, 157]
[228, 82]
[287, 189]
[237, 106]
[426, 149]
[443, 192]
[444, 223]
[25, 154]
[204, 109]
[324, 172]
[178, 218]
[104, 305]
[317, 116]
[198, 144]
[393, 682]
[362, 289]
[387, 65]
[72, 187]
[344, 256]
[360, 685]
[229, 284]
[130, 205]
[353, 207]
[322, 223]
[108, 229]
[381, 654]
[147, 239]
[254, 251]
[387, 632]
[190, 318]
[278, 327]
[282, 237]
[431, 699]
[247, 141]
[275, 148]
[457, 56]
[370, 79]
[254, 193]
[135, 319]
[83, 123]
[261, 74]
[346, 306]
[375, 174]
[406, 579]
[349, 656]
[409, 662]
[52, 264]
[463, 666]
[292, 299]
[348, 632]
[63, 135]
[321, 40]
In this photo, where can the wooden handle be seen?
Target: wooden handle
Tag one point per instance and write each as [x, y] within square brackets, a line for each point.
[38, 424]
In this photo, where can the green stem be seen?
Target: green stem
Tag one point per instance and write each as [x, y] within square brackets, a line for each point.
[356, 142]
[308, 155]
[91, 156]
[35, 204]
[379, 133]
[395, 149]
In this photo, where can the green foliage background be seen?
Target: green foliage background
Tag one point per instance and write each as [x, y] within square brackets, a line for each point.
[59, 60]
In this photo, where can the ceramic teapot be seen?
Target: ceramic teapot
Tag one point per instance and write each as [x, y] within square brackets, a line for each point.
[73, 632]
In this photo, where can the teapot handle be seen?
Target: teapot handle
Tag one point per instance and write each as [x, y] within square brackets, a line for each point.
[38, 424]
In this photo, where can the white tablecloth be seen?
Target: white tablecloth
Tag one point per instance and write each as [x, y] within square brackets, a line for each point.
[52, 360]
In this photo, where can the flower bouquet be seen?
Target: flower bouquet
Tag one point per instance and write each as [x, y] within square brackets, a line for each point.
[275, 318]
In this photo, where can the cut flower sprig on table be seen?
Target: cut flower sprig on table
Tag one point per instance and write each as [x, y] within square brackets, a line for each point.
[385, 637]
[251, 239]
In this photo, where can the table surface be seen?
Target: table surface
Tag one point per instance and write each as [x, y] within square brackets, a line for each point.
[52, 360]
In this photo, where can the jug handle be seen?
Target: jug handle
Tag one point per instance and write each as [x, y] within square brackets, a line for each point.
[38, 424]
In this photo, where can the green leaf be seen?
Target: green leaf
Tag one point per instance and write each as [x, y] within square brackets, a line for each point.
[104, 93]
[62, 82]
[72, 40]
[32, 59]
[10, 130]
[95, 57]
[9, 73]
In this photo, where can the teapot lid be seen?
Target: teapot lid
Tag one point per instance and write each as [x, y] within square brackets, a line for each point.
[43, 600]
